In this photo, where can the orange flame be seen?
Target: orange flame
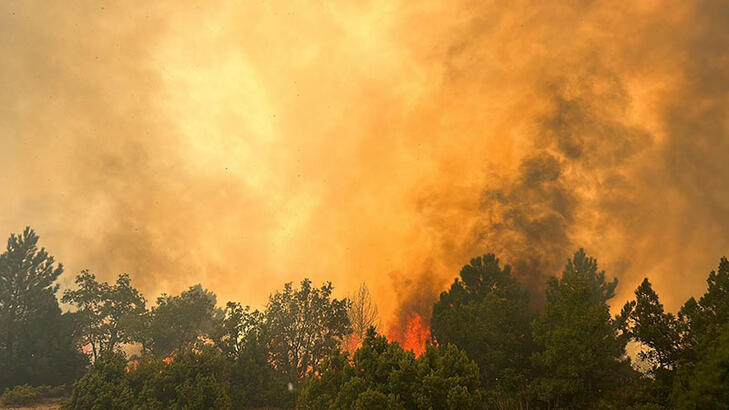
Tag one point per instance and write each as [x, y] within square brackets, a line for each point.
[415, 335]
[352, 343]
[132, 366]
[170, 358]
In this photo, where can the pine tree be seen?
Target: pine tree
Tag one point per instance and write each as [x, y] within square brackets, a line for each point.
[36, 339]
[582, 354]
[486, 313]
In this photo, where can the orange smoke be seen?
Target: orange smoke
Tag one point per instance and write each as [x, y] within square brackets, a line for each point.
[387, 141]
[415, 335]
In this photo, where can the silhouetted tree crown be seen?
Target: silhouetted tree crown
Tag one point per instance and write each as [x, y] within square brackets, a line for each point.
[653, 327]
[36, 339]
[490, 350]
[580, 357]
[486, 313]
[108, 315]
[178, 323]
[304, 325]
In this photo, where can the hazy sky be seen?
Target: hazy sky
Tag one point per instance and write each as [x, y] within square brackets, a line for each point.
[243, 144]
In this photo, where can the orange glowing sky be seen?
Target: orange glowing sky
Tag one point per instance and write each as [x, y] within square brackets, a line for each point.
[246, 144]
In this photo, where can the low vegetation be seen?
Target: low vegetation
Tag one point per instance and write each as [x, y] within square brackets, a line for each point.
[25, 394]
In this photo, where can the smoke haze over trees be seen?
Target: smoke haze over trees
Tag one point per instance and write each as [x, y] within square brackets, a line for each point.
[403, 137]
[276, 155]
[489, 348]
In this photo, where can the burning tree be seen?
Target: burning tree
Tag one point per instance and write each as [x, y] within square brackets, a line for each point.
[362, 315]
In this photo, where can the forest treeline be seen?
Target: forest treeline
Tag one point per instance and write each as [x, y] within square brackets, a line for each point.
[306, 349]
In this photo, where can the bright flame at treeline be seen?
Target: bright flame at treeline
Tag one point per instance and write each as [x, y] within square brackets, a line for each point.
[416, 335]
[243, 145]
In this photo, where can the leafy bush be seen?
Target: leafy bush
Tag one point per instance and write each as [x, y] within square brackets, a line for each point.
[105, 386]
[255, 383]
[191, 380]
[26, 394]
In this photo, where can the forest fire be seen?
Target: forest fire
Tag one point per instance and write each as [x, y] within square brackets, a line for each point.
[170, 358]
[215, 198]
[352, 343]
[414, 336]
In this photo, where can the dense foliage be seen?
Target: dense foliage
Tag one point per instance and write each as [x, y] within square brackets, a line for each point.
[179, 323]
[105, 313]
[581, 356]
[196, 380]
[382, 375]
[486, 313]
[254, 379]
[36, 338]
[492, 348]
[25, 394]
[303, 326]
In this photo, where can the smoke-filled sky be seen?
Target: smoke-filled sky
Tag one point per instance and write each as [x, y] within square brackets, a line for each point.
[246, 144]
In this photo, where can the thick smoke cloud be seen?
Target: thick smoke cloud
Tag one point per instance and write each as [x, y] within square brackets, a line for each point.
[245, 145]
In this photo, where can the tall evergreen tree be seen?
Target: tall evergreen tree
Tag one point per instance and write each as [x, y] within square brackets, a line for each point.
[701, 321]
[650, 325]
[582, 357]
[657, 333]
[700, 325]
[708, 384]
[486, 313]
[36, 339]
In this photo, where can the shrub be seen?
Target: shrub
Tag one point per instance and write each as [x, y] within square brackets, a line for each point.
[104, 386]
[25, 394]
[192, 380]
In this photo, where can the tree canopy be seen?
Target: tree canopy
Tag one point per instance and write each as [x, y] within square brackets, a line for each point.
[36, 339]
[490, 348]
[107, 314]
[581, 356]
[177, 323]
[304, 325]
[381, 375]
[486, 313]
